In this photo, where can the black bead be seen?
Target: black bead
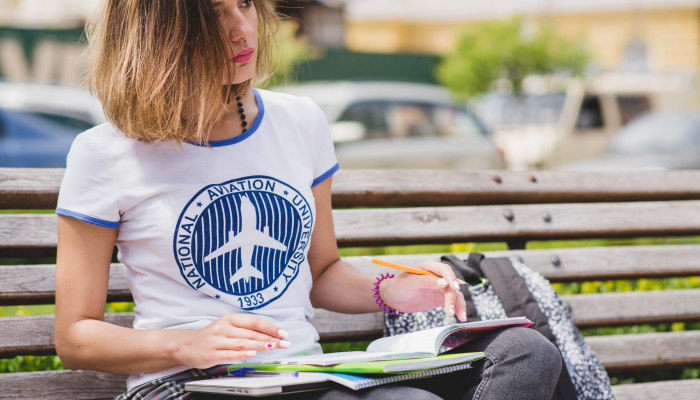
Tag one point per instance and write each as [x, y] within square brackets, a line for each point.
[238, 98]
[241, 110]
[240, 104]
[244, 130]
[244, 124]
[242, 116]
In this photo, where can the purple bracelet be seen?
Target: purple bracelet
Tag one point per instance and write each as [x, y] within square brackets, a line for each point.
[378, 299]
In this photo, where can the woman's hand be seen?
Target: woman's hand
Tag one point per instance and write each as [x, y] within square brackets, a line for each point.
[230, 338]
[411, 293]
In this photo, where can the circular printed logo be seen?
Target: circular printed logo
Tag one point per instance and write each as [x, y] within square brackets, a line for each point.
[242, 241]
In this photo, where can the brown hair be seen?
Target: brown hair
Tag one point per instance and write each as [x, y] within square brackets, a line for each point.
[147, 65]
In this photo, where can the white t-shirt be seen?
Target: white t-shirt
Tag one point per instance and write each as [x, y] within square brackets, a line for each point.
[203, 231]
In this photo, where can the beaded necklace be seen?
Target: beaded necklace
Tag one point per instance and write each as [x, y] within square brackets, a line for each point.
[241, 111]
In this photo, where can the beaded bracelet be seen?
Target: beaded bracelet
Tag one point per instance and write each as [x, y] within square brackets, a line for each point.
[378, 298]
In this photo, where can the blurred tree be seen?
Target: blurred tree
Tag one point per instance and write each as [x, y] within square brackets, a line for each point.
[501, 49]
[289, 51]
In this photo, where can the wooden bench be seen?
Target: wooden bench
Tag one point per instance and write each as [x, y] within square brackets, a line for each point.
[377, 208]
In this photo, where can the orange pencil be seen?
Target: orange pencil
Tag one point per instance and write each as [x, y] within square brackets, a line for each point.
[404, 268]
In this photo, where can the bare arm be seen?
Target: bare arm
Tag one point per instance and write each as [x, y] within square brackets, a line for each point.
[340, 287]
[85, 341]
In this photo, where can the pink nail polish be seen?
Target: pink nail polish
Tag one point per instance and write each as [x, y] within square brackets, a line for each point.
[452, 310]
[270, 345]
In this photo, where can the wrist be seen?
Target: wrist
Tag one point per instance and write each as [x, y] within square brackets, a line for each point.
[381, 297]
[174, 346]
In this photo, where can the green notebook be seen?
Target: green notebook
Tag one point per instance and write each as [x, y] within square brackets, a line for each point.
[372, 367]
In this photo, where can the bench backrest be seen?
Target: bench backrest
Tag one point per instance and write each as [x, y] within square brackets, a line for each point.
[378, 208]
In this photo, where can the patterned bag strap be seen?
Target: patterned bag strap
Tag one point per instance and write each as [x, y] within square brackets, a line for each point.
[467, 272]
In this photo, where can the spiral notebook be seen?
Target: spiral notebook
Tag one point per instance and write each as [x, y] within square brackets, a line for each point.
[359, 381]
[261, 386]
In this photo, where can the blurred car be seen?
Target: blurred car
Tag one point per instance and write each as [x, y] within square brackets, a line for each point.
[400, 125]
[67, 105]
[38, 122]
[32, 141]
[560, 120]
[655, 141]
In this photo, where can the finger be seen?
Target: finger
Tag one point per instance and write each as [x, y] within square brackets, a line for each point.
[242, 333]
[238, 344]
[255, 324]
[461, 308]
[442, 270]
[450, 302]
[414, 282]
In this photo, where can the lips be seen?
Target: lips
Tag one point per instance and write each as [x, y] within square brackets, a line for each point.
[244, 55]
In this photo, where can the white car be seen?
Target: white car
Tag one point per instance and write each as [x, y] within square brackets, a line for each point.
[66, 105]
[400, 125]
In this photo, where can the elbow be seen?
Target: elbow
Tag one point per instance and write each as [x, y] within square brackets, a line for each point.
[65, 352]
[69, 350]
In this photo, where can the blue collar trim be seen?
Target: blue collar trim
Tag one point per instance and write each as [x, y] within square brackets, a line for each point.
[248, 133]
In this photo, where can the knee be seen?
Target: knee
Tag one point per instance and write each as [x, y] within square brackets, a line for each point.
[543, 350]
[527, 346]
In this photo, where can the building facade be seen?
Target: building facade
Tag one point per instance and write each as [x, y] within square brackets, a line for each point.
[622, 35]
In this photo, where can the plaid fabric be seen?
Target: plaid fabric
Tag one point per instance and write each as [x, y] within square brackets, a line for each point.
[172, 387]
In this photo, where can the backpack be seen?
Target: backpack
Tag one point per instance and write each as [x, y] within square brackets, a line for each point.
[501, 288]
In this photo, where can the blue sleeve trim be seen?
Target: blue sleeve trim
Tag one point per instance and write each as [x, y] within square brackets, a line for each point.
[325, 176]
[87, 218]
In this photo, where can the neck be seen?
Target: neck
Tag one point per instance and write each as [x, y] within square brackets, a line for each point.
[228, 125]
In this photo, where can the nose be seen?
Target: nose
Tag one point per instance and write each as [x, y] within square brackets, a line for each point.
[237, 27]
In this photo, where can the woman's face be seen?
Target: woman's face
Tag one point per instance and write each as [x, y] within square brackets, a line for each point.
[240, 22]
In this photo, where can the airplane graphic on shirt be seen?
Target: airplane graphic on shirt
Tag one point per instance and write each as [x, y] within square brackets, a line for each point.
[246, 240]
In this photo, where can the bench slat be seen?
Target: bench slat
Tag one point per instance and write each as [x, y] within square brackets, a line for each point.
[34, 335]
[23, 188]
[634, 308]
[590, 310]
[529, 222]
[581, 264]
[686, 389]
[79, 385]
[396, 188]
[29, 188]
[448, 225]
[36, 284]
[647, 350]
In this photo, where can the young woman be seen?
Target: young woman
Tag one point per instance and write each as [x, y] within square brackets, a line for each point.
[217, 196]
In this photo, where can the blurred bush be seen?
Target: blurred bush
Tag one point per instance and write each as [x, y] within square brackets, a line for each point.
[501, 49]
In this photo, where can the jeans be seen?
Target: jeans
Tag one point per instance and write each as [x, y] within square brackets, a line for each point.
[520, 364]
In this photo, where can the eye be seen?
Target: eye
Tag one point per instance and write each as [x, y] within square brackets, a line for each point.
[247, 3]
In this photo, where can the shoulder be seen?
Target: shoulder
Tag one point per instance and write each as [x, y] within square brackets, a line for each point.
[102, 140]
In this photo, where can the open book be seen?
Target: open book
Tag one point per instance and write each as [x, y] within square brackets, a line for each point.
[421, 344]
